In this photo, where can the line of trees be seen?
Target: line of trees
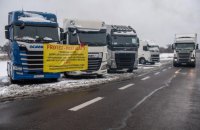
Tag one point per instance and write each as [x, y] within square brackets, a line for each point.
[4, 48]
[167, 49]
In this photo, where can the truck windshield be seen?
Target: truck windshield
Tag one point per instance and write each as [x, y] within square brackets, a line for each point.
[153, 48]
[185, 46]
[89, 38]
[124, 41]
[36, 34]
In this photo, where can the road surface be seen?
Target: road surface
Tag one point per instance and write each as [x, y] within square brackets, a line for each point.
[165, 99]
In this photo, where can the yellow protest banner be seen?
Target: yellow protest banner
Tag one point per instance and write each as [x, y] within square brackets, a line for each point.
[62, 58]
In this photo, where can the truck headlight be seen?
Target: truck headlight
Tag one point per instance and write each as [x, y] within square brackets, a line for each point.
[104, 67]
[112, 55]
[113, 64]
[95, 55]
[100, 55]
[18, 68]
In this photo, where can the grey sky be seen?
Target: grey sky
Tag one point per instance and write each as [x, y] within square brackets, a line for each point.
[156, 20]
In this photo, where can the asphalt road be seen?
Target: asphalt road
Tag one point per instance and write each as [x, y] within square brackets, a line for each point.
[165, 99]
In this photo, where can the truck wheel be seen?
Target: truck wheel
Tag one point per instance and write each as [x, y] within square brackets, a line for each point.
[193, 65]
[66, 75]
[130, 70]
[100, 76]
[142, 61]
[13, 81]
[175, 65]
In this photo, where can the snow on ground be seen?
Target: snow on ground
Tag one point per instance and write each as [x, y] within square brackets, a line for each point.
[3, 72]
[166, 56]
[2, 54]
[13, 91]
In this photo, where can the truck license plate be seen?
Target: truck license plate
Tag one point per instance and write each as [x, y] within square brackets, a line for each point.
[38, 76]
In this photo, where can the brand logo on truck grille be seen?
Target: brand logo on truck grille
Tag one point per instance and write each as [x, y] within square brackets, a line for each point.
[36, 46]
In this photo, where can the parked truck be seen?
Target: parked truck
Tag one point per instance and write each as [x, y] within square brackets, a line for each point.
[27, 31]
[123, 43]
[148, 52]
[184, 47]
[93, 34]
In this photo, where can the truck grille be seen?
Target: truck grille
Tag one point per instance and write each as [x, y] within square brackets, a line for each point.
[94, 64]
[155, 58]
[184, 57]
[32, 61]
[125, 60]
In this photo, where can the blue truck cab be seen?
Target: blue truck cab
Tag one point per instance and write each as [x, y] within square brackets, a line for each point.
[27, 31]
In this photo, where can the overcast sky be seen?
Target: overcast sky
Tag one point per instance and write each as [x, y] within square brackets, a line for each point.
[156, 20]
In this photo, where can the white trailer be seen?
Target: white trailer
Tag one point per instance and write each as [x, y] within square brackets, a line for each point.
[92, 33]
[148, 52]
[184, 47]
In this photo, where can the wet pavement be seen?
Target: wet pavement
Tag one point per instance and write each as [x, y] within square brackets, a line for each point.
[164, 99]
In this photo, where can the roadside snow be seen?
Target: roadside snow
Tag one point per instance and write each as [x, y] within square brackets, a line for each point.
[166, 56]
[3, 66]
[2, 54]
[13, 91]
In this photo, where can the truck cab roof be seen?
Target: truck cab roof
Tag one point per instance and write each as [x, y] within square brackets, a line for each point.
[120, 30]
[32, 18]
[84, 25]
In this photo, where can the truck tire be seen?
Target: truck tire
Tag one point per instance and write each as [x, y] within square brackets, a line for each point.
[100, 76]
[175, 65]
[66, 74]
[193, 65]
[142, 61]
[13, 81]
[130, 70]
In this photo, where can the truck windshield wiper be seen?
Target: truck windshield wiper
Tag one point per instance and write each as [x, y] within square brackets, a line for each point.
[25, 40]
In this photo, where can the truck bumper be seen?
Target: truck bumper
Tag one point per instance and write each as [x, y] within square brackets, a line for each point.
[20, 76]
[101, 71]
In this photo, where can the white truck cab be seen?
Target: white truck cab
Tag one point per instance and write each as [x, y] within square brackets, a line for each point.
[93, 34]
[184, 47]
[148, 52]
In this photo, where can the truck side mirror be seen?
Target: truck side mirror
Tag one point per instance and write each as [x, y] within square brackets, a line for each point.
[7, 33]
[197, 47]
[108, 39]
[138, 42]
[145, 48]
[74, 32]
[61, 30]
[173, 47]
[62, 36]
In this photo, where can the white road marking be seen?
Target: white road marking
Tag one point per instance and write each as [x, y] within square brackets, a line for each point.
[157, 73]
[177, 71]
[169, 67]
[141, 75]
[125, 87]
[86, 104]
[145, 78]
[164, 70]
